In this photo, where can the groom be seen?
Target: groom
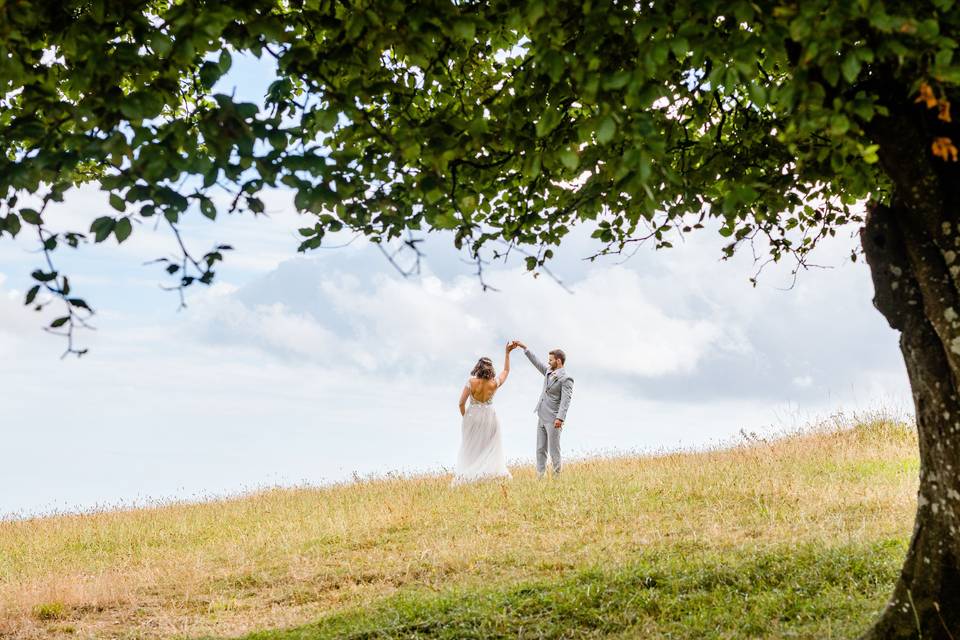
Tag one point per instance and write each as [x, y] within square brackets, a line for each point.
[552, 408]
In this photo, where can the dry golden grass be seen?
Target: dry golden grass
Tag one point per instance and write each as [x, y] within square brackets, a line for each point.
[284, 557]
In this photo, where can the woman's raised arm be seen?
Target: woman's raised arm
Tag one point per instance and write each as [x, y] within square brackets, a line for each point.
[506, 364]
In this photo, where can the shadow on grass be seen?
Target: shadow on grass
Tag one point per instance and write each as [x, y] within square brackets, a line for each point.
[807, 592]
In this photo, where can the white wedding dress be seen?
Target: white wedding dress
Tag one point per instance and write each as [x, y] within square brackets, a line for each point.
[481, 449]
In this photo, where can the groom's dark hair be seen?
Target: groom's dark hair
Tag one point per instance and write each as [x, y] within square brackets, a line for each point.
[559, 355]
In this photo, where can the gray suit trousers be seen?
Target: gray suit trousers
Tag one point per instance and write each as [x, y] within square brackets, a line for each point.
[548, 437]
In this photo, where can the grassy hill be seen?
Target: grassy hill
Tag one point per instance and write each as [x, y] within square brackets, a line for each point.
[797, 537]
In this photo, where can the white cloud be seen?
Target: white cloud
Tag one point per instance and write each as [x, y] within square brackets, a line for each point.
[608, 326]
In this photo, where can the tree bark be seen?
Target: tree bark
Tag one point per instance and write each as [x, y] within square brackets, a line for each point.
[913, 248]
[916, 291]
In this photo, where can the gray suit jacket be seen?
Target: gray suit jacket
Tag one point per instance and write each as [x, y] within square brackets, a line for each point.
[557, 391]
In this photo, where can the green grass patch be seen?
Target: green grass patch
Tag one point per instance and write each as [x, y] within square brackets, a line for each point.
[50, 611]
[807, 592]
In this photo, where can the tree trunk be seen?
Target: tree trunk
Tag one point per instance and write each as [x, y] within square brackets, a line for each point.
[916, 290]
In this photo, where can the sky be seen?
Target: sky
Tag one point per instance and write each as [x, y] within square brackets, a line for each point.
[322, 367]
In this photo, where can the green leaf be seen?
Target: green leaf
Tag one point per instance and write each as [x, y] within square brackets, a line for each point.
[411, 152]
[800, 29]
[326, 119]
[468, 204]
[311, 243]
[554, 64]
[160, 42]
[864, 110]
[616, 81]
[59, 322]
[645, 169]
[606, 130]
[839, 124]
[535, 11]
[225, 61]
[303, 199]
[831, 74]
[531, 166]
[44, 276]
[140, 105]
[12, 224]
[209, 74]
[32, 294]
[478, 127]
[680, 47]
[31, 216]
[569, 159]
[642, 30]
[465, 29]
[207, 208]
[247, 110]
[758, 93]
[117, 202]
[548, 120]
[943, 58]
[122, 229]
[79, 303]
[851, 67]
[950, 74]
[869, 153]
[102, 228]
[445, 220]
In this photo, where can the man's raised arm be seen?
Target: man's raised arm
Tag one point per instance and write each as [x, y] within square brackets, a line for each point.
[534, 360]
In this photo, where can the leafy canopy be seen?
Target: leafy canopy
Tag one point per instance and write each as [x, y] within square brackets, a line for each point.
[506, 122]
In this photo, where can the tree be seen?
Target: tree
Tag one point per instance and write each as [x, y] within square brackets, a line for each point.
[508, 123]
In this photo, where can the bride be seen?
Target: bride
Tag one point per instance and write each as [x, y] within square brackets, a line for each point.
[481, 450]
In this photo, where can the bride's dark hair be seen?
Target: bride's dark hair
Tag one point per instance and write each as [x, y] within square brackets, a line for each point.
[484, 369]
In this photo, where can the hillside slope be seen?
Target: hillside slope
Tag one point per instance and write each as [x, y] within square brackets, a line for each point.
[796, 537]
